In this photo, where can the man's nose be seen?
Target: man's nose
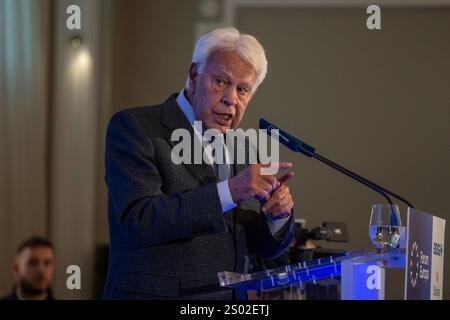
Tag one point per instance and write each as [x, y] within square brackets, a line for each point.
[41, 267]
[229, 96]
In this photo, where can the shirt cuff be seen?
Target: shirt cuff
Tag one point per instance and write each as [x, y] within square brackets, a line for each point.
[276, 225]
[225, 196]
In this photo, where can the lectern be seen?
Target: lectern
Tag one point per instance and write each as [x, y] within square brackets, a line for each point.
[360, 274]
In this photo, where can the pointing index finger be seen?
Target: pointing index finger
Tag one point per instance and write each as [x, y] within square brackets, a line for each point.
[288, 176]
[278, 165]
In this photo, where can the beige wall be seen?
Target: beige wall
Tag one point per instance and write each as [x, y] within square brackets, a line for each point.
[374, 101]
[76, 105]
[51, 110]
[153, 42]
[24, 74]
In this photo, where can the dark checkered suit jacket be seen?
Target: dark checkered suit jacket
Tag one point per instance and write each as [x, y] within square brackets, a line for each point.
[168, 235]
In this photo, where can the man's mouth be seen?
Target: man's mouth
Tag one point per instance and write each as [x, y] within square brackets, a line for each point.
[223, 118]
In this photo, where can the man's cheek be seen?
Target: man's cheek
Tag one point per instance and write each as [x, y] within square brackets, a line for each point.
[237, 120]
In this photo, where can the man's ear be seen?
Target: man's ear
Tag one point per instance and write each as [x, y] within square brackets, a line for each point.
[15, 270]
[193, 76]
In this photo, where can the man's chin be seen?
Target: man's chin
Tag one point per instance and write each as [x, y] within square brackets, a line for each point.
[31, 289]
[220, 127]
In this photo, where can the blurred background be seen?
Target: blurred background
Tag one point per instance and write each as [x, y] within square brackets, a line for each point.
[375, 101]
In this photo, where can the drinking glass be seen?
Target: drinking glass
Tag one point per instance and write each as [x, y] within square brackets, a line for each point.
[385, 226]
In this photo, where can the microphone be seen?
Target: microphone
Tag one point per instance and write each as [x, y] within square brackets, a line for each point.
[297, 145]
[285, 138]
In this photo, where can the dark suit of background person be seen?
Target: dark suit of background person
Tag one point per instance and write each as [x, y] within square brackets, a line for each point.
[13, 296]
[167, 231]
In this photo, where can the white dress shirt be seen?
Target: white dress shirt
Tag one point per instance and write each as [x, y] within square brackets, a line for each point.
[222, 187]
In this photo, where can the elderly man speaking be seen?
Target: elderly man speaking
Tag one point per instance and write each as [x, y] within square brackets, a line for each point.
[173, 227]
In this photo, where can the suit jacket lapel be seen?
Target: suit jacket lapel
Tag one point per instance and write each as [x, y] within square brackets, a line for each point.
[173, 118]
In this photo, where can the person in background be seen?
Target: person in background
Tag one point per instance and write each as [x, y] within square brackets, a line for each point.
[33, 271]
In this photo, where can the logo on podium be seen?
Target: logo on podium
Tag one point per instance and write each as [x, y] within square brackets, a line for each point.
[414, 264]
[424, 256]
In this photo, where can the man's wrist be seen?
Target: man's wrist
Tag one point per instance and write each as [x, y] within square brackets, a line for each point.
[279, 217]
[276, 224]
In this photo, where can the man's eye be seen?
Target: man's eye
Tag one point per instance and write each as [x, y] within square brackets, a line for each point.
[220, 82]
[243, 90]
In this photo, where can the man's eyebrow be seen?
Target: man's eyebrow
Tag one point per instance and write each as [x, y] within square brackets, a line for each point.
[221, 71]
[228, 75]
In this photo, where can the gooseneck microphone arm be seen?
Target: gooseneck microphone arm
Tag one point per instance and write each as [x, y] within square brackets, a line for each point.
[352, 175]
[297, 145]
[361, 179]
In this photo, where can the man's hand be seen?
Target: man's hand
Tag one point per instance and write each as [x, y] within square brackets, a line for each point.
[249, 183]
[280, 202]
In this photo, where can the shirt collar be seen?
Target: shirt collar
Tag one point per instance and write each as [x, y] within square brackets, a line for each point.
[186, 107]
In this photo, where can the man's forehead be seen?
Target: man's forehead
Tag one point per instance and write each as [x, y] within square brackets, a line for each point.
[37, 252]
[230, 64]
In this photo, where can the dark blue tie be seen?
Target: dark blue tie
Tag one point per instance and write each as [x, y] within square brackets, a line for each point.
[222, 168]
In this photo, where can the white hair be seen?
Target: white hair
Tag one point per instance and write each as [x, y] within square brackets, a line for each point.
[229, 39]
